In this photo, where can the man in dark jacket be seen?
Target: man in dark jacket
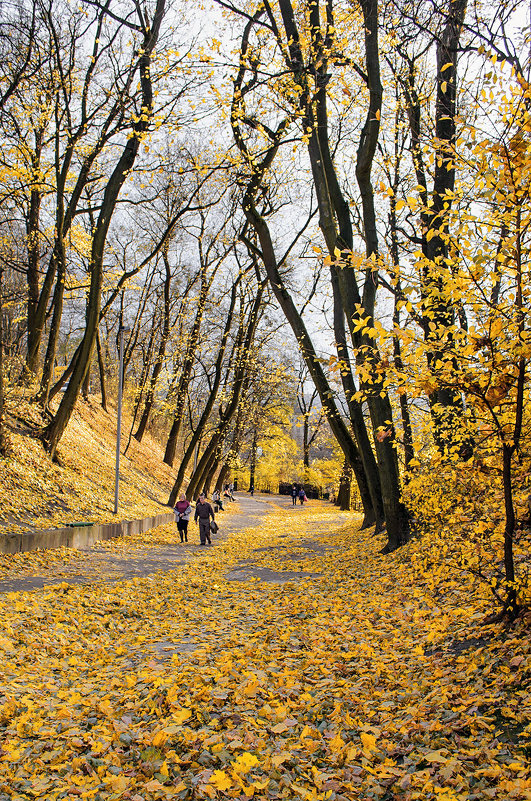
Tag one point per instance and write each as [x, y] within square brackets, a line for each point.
[203, 513]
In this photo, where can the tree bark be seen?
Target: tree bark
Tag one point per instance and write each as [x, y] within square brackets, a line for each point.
[101, 369]
[227, 414]
[201, 425]
[4, 440]
[159, 361]
[344, 498]
[186, 372]
[54, 431]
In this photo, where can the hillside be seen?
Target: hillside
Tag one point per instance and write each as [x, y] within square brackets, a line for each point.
[36, 493]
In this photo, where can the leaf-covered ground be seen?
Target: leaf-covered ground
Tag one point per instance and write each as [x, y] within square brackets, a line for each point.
[38, 494]
[344, 675]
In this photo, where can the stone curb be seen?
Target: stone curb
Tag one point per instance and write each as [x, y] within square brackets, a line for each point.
[78, 536]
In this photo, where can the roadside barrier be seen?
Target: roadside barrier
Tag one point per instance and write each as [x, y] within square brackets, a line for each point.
[78, 535]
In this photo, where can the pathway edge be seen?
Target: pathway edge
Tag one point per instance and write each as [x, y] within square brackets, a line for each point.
[78, 536]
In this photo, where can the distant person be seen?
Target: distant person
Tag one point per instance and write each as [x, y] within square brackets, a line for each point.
[226, 493]
[231, 491]
[216, 500]
[294, 493]
[203, 513]
[182, 511]
[302, 496]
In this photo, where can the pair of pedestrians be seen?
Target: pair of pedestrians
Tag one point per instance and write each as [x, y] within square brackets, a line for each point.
[298, 492]
[203, 513]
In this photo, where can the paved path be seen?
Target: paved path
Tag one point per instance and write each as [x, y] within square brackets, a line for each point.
[130, 560]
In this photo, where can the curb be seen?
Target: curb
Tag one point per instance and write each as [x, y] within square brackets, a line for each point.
[78, 536]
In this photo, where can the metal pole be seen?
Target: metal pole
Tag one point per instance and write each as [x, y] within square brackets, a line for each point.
[119, 420]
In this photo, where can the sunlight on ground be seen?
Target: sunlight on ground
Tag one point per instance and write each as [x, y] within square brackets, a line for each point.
[354, 683]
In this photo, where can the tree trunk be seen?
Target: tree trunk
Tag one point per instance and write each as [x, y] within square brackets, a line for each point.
[222, 476]
[437, 311]
[252, 469]
[198, 433]
[211, 473]
[344, 498]
[305, 443]
[205, 463]
[32, 274]
[159, 361]
[186, 372]
[4, 441]
[101, 369]
[53, 335]
[357, 420]
[339, 429]
[85, 387]
[54, 431]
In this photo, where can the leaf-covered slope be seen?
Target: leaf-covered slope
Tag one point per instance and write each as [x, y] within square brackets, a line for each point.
[36, 493]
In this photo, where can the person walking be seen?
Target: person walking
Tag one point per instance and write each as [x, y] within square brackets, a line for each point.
[182, 512]
[294, 493]
[203, 513]
[302, 496]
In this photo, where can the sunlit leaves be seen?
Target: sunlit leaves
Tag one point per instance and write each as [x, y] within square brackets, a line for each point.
[367, 678]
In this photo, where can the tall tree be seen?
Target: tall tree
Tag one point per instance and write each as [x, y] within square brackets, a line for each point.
[308, 66]
[148, 30]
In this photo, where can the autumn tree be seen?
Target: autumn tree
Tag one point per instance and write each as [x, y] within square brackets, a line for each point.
[147, 31]
[308, 60]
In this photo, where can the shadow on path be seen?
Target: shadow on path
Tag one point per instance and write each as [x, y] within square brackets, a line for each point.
[98, 563]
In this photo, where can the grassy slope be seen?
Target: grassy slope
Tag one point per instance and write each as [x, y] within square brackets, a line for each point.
[35, 493]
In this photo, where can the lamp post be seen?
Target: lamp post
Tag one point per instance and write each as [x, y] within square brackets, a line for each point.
[121, 332]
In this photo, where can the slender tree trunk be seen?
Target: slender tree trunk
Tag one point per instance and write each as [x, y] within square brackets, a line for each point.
[511, 605]
[54, 431]
[357, 420]
[4, 440]
[159, 361]
[222, 476]
[85, 387]
[200, 428]
[53, 335]
[142, 383]
[186, 372]
[32, 276]
[344, 498]
[305, 443]
[252, 469]
[101, 369]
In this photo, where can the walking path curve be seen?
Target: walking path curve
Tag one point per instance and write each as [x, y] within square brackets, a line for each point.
[134, 557]
[292, 661]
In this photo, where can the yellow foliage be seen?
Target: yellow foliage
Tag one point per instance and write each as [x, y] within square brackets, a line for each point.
[366, 673]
